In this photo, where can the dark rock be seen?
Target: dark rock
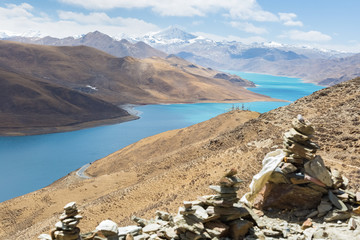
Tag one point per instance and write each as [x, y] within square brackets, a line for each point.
[290, 196]
[216, 229]
[239, 228]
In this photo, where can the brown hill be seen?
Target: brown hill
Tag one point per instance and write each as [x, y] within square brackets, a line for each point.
[159, 172]
[86, 71]
[119, 80]
[31, 106]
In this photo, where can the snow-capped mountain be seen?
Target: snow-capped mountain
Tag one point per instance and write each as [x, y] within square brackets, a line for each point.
[170, 35]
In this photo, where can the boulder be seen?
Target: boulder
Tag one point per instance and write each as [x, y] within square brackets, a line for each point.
[153, 227]
[108, 228]
[290, 196]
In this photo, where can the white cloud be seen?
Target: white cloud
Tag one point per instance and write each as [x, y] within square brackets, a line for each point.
[288, 19]
[248, 27]
[310, 36]
[20, 19]
[236, 9]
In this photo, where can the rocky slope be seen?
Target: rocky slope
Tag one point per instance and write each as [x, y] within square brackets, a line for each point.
[90, 73]
[159, 172]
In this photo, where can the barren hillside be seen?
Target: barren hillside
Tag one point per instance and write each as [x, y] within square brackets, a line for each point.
[71, 73]
[159, 172]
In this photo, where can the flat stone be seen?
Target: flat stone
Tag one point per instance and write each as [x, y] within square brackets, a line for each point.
[232, 181]
[303, 127]
[323, 208]
[239, 228]
[288, 168]
[221, 189]
[271, 233]
[278, 177]
[312, 214]
[289, 196]
[200, 212]
[153, 227]
[317, 188]
[292, 159]
[258, 221]
[216, 229]
[70, 206]
[297, 136]
[44, 237]
[299, 180]
[316, 168]
[240, 211]
[170, 233]
[231, 172]
[302, 151]
[132, 229]
[336, 215]
[337, 202]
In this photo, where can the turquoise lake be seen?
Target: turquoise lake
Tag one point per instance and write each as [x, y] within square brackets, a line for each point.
[33, 162]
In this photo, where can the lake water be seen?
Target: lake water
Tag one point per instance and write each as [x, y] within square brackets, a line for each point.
[33, 162]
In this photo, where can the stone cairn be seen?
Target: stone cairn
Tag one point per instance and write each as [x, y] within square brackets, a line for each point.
[66, 228]
[302, 181]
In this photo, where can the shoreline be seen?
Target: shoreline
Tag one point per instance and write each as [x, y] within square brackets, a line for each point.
[130, 108]
[20, 132]
[304, 80]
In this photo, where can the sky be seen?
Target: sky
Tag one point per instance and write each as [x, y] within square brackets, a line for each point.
[326, 24]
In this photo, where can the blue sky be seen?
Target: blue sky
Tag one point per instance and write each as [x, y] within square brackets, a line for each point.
[328, 24]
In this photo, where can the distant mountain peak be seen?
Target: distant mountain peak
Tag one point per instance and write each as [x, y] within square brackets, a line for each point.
[173, 32]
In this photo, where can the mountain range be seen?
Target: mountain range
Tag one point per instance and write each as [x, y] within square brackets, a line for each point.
[162, 171]
[52, 86]
[320, 66]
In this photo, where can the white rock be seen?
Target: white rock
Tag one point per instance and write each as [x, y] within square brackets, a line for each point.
[352, 225]
[44, 237]
[70, 205]
[108, 226]
[132, 229]
[153, 227]
[200, 212]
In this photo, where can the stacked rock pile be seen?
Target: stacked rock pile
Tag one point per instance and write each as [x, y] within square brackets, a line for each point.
[217, 216]
[302, 181]
[66, 228]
